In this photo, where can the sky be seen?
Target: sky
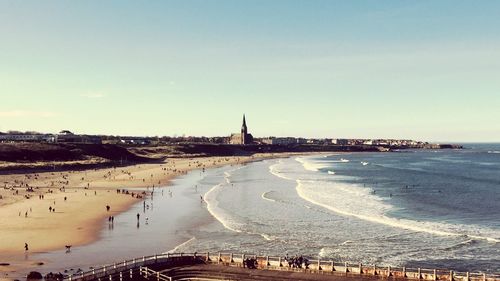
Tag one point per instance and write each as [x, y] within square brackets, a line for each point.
[424, 70]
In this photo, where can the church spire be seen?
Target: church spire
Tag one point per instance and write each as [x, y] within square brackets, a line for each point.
[244, 129]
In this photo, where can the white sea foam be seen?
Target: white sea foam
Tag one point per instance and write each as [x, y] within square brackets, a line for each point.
[494, 152]
[360, 202]
[313, 165]
[331, 172]
[213, 205]
[220, 214]
[356, 202]
[178, 247]
[275, 171]
[225, 218]
[264, 196]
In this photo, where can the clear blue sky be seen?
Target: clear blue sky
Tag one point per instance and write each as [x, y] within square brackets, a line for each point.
[427, 70]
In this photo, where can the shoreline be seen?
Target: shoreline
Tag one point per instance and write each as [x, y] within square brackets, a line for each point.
[74, 233]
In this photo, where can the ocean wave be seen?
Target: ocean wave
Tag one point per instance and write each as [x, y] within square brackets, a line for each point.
[313, 165]
[275, 171]
[264, 196]
[218, 213]
[494, 152]
[461, 244]
[229, 221]
[350, 200]
[331, 172]
[178, 247]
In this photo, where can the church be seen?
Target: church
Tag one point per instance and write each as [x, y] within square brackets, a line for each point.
[243, 137]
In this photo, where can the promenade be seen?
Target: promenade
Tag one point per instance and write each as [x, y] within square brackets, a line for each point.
[228, 266]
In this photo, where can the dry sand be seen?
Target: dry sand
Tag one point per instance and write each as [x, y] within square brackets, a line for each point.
[77, 221]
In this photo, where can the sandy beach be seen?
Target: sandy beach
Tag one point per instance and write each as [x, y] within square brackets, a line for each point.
[80, 199]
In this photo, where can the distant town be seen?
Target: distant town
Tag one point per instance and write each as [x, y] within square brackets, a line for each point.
[241, 138]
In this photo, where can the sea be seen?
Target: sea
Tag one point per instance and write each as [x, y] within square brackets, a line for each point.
[413, 208]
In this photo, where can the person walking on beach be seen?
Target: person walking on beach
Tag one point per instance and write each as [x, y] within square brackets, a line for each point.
[26, 247]
[138, 216]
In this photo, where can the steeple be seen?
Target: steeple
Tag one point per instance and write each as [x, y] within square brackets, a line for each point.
[244, 126]
[244, 132]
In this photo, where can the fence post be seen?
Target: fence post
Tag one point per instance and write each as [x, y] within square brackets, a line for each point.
[104, 270]
[156, 258]
[389, 271]
[114, 265]
[346, 269]
[218, 258]
[267, 261]
[374, 269]
[451, 275]
[243, 260]
[360, 268]
[131, 274]
[208, 256]
[404, 271]
[157, 276]
[121, 276]
[468, 277]
[435, 275]
[484, 276]
[319, 264]
[231, 261]
[279, 261]
[110, 277]
[419, 273]
[70, 277]
[333, 265]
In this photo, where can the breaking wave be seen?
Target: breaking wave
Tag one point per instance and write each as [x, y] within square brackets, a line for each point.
[265, 197]
[360, 202]
[228, 220]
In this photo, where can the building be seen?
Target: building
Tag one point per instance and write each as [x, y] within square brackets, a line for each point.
[20, 137]
[66, 136]
[280, 141]
[243, 137]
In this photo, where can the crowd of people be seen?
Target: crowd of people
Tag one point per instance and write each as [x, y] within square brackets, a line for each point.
[297, 262]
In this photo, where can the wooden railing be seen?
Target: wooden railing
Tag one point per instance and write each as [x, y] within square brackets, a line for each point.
[141, 265]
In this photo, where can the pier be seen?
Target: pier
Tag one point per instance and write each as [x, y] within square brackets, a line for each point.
[230, 266]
